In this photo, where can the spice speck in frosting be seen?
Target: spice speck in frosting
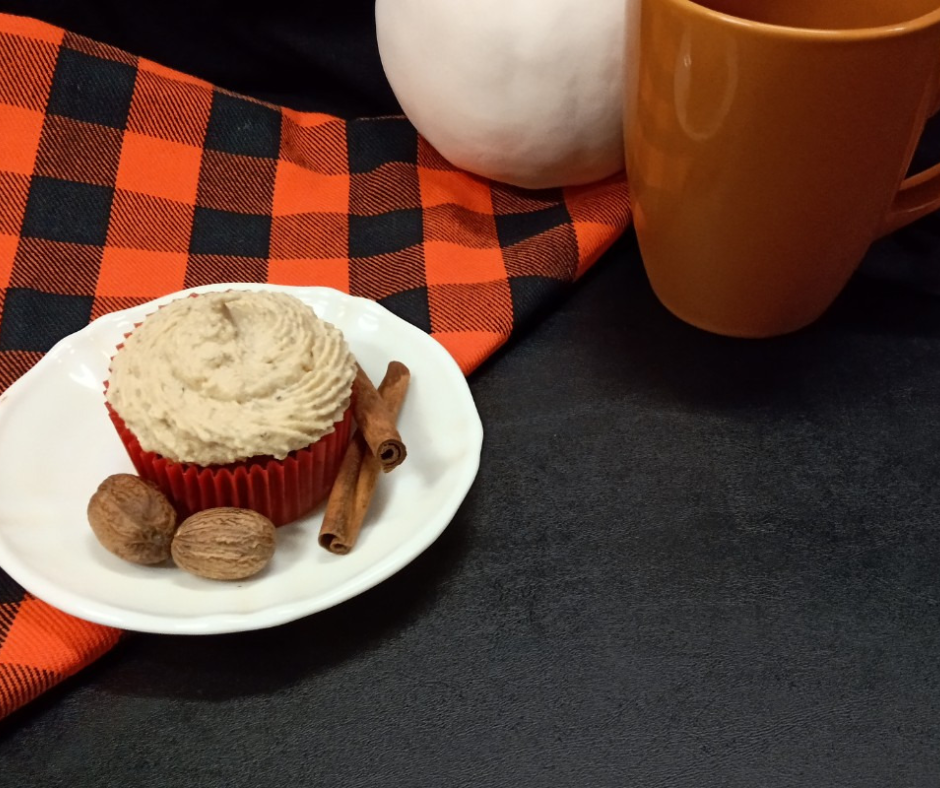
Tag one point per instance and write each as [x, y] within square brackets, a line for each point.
[223, 377]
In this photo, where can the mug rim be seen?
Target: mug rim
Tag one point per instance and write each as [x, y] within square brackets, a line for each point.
[842, 34]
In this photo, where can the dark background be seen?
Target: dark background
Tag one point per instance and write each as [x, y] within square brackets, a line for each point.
[687, 560]
[316, 55]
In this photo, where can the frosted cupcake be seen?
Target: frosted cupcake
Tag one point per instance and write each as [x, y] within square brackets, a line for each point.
[235, 399]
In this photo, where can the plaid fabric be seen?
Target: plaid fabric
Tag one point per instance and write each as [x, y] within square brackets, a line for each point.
[121, 181]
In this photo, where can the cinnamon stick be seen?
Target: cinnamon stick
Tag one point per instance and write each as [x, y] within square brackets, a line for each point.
[358, 473]
[377, 424]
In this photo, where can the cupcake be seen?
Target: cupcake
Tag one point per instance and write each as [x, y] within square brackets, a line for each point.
[235, 398]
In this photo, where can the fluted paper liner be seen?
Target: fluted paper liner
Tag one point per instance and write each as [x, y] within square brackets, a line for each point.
[282, 490]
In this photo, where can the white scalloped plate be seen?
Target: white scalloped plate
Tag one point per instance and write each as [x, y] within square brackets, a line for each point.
[57, 444]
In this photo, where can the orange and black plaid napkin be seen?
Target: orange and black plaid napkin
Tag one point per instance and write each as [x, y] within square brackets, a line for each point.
[122, 180]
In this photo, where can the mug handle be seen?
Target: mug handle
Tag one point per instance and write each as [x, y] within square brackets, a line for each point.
[918, 196]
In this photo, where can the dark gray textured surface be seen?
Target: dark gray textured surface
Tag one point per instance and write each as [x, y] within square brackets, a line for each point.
[687, 561]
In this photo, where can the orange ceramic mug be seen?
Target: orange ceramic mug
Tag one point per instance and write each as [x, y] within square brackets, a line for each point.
[767, 143]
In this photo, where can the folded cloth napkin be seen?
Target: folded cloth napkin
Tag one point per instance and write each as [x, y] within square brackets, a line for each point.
[122, 180]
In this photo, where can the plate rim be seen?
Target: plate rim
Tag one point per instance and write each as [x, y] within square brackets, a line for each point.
[277, 615]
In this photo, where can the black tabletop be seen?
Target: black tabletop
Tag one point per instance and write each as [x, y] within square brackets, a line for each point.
[687, 560]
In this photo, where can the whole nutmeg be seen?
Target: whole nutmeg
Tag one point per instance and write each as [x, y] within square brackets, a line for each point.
[224, 543]
[132, 519]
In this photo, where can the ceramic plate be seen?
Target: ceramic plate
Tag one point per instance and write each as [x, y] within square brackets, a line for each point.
[57, 444]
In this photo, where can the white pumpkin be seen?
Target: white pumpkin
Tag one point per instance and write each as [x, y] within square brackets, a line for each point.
[528, 92]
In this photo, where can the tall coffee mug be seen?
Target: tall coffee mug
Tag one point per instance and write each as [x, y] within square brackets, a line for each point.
[767, 144]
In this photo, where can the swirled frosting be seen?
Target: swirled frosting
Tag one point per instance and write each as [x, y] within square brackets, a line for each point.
[227, 376]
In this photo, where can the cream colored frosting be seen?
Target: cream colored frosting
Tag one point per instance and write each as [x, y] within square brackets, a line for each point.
[226, 376]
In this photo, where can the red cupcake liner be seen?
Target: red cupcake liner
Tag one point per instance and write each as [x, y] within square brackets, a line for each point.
[282, 490]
